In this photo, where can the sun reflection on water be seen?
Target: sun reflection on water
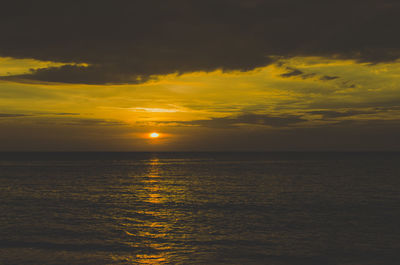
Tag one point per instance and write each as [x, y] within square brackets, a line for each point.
[151, 223]
[153, 227]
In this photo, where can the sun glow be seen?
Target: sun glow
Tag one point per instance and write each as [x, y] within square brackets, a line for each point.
[154, 135]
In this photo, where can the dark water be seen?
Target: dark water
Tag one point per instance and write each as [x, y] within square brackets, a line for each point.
[200, 208]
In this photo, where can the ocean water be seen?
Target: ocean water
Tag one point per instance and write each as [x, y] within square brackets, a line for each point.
[200, 208]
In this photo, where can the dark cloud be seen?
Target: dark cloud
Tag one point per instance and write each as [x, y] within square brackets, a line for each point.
[76, 121]
[292, 72]
[65, 114]
[247, 118]
[79, 74]
[328, 78]
[90, 122]
[128, 41]
[331, 114]
[47, 119]
[12, 115]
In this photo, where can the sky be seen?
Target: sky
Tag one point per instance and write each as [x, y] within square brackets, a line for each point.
[210, 75]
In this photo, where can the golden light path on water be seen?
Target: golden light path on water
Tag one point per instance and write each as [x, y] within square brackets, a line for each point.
[155, 227]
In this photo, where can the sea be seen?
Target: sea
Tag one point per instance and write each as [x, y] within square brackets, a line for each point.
[280, 208]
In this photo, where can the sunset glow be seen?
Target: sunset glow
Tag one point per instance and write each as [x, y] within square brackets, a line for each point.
[264, 85]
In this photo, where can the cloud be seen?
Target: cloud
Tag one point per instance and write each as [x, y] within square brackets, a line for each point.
[156, 110]
[65, 114]
[79, 74]
[12, 115]
[328, 78]
[292, 72]
[331, 114]
[62, 119]
[246, 118]
[88, 122]
[127, 41]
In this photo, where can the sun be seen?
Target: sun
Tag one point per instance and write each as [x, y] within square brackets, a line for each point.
[154, 135]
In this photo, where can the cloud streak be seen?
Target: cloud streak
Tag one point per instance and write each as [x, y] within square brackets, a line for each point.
[61, 119]
[12, 115]
[244, 119]
[331, 114]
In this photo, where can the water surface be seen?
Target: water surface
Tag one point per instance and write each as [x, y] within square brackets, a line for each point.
[199, 208]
